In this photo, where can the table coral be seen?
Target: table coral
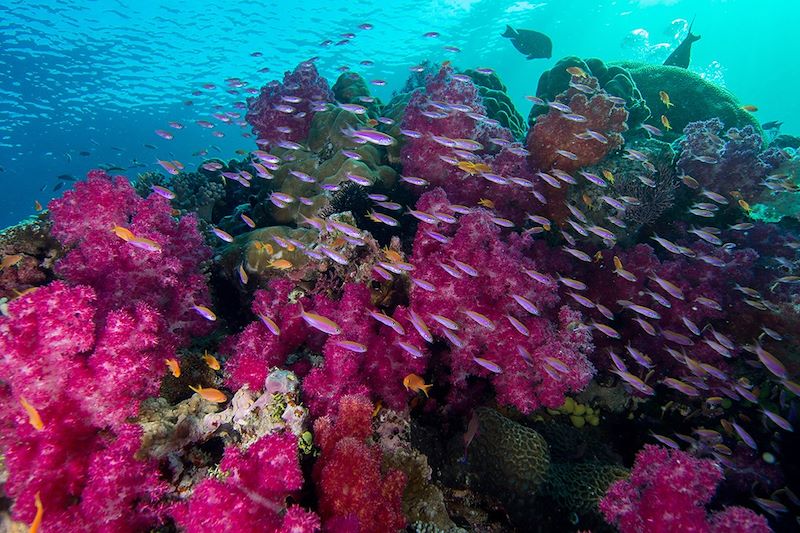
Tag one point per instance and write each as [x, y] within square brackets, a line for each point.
[667, 491]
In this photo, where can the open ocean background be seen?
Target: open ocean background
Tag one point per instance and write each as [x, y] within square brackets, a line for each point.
[99, 77]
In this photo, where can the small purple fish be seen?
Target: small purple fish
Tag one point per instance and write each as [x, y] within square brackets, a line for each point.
[488, 365]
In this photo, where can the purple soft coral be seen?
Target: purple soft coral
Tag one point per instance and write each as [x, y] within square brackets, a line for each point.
[283, 111]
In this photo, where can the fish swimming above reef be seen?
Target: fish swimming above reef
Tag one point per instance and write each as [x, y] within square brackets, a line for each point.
[681, 56]
[533, 44]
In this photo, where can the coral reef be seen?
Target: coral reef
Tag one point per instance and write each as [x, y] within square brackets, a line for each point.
[498, 104]
[166, 276]
[667, 491]
[510, 460]
[199, 192]
[28, 253]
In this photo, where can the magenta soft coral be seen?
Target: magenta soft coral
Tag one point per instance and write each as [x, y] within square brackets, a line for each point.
[353, 493]
[667, 492]
[379, 371]
[68, 366]
[275, 118]
[251, 495]
[169, 281]
[530, 376]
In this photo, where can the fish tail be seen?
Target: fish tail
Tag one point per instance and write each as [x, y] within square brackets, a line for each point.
[692, 37]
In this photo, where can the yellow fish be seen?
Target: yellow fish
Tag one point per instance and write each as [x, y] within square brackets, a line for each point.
[37, 520]
[485, 202]
[608, 176]
[210, 395]
[33, 414]
[598, 256]
[665, 99]
[37, 205]
[392, 255]
[744, 205]
[577, 71]
[665, 122]
[211, 361]
[10, 260]
[123, 233]
[750, 108]
[415, 383]
[174, 367]
[281, 264]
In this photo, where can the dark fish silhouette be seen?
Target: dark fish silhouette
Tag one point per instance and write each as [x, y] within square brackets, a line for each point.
[681, 56]
[57, 186]
[531, 43]
[67, 177]
[774, 125]
[84, 153]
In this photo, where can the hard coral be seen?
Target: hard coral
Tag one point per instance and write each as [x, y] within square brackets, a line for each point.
[275, 120]
[251, 495]
[348, 474]
[667, 491]
[169, 281]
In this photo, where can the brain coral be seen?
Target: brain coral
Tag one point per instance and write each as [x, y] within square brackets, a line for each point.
[694, 98]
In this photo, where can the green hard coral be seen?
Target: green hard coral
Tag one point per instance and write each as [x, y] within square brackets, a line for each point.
[510, 460]
[694, 98]
[497, 102]
[578, 487]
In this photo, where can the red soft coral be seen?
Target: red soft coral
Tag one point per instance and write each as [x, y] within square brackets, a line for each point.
[348, 473]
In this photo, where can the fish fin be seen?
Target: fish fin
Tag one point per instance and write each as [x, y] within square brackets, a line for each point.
[509, 33]
[425, 389]
[690, 36]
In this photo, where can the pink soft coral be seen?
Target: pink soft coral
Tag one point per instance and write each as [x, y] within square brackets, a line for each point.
[348, 473]
[59, 357]
[169, 281]
[252, 494]
[666, 492]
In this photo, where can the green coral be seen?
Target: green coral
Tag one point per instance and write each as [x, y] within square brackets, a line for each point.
[694, 98]
[194, 191]
[511, 460]
[578, 487]
[350, 88]
[497, 102]
[614, 79]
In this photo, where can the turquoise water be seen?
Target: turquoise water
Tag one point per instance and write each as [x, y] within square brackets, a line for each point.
[99, 77]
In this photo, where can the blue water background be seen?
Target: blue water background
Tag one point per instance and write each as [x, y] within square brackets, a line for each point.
[101, 76]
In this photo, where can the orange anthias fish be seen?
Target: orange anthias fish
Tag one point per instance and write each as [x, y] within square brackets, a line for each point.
[33, 414]
[485, 202]
[473, 168]
[10, 260]
[211, 361]
[750, 108]
[37, 205]
[608, 175]
[210, 395]
[665, 99]
[392, 255]
[174, 367]
[415, 383]
[281, 264]
[577, 71]
[665, 122]
[37, 520]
